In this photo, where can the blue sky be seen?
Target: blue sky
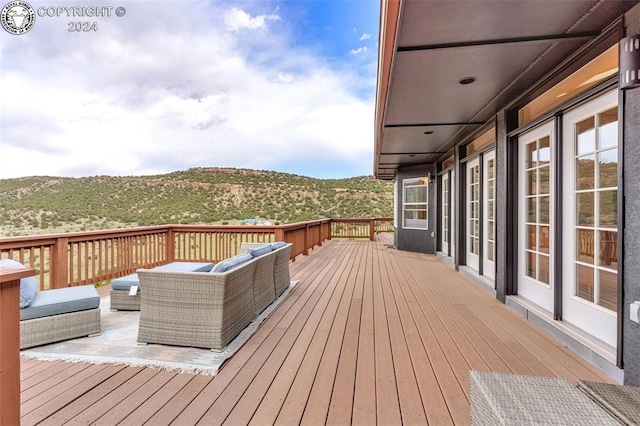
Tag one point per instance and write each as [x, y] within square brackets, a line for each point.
[272, 85]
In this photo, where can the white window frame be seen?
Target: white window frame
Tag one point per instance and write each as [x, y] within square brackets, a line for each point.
[406, 205]
[395, 204]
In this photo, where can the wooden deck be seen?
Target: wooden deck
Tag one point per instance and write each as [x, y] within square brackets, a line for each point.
[369, 335]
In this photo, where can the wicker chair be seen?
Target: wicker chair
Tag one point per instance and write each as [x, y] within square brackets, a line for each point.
[197, 309]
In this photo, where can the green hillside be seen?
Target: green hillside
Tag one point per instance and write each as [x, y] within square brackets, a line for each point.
[44, 205]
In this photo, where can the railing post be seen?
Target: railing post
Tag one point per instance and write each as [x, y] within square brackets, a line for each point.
[372, 229]
[59, 263]
[10, 343]
[305, 251]
[279, 234]
[170, 255]
[329, 231]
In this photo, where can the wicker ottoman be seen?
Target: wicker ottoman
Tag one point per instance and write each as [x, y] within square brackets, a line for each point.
[60, 314]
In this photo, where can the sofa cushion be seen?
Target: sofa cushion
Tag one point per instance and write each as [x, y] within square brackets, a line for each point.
[185, 267]
[125, 283]
[28, 286]
[259, 251]
[232, 262]
[278, 244]
[61, 301]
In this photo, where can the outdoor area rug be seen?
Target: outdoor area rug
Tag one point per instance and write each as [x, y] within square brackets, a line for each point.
[118, 345]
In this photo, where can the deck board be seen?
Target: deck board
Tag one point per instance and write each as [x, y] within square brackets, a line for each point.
[369, 335]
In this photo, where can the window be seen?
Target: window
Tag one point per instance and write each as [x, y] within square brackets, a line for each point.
[594, 72]
[448, 163]
[486, 139]
[416, 196]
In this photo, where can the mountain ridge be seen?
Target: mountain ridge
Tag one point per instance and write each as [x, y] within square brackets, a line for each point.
[200, 195]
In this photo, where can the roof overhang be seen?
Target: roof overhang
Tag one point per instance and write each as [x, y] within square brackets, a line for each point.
[426, 48]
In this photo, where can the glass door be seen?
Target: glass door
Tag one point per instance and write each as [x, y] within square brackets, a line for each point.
[590, 185]
[452, 215]
[473, 213]
[535, 225]
[489, 214]
[445, 214]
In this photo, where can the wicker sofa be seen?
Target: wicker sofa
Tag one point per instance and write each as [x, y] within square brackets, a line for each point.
[209, 309]
[199, 309]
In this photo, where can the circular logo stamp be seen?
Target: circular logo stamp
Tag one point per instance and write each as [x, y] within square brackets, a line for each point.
[17, 17]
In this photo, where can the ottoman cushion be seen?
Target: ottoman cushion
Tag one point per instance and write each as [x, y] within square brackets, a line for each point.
[61, 301]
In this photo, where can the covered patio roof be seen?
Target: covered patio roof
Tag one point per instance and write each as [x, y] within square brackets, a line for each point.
[429, 49]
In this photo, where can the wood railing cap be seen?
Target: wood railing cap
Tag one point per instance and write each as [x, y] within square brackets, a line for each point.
[12, 274]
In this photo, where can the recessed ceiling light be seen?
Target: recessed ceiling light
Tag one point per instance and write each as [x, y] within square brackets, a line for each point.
[428, 132]
[467, 80]
[411, 155]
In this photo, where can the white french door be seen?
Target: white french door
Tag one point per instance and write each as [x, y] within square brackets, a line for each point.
[473, 214]
[489, 214]
[446, 225]
[535, 224]
[590, 228]
[452, 216]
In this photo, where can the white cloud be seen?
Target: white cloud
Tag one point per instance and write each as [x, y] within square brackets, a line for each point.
[285, 77]
[236, 19]
[365, 36]
[155, 92]
[358, 51]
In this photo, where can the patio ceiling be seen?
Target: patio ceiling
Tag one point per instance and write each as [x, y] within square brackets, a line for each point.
[427, 47]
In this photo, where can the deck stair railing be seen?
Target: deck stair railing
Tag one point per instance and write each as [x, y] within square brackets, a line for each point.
[94, 257]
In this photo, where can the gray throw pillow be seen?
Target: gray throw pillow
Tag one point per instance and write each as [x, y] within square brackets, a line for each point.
[28, 286]
[231, 263]
[259, 251]
[278, 244]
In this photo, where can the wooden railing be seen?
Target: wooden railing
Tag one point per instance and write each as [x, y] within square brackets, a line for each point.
[80, 258]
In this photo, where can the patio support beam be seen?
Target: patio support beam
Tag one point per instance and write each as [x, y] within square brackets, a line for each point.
[534, 39]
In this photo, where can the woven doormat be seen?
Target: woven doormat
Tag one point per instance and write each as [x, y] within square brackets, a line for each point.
[118, 345]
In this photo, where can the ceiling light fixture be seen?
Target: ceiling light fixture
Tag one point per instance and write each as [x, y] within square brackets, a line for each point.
[411, 155]
[467, 80]
[428, 132]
